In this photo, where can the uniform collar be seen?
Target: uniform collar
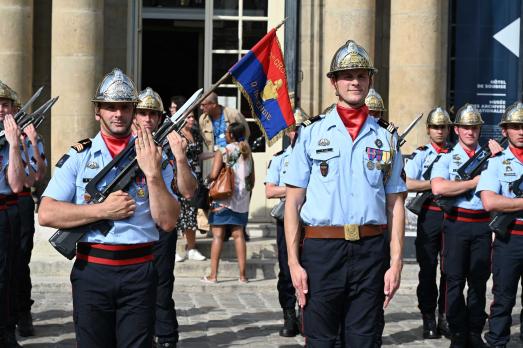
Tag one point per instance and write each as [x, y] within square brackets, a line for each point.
[98, 145]
[332, 119]
[460, 148]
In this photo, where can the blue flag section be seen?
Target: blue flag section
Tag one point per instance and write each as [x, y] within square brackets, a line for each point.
[261, 77]
[487, 49]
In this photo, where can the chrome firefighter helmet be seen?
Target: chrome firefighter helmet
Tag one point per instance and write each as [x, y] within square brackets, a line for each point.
[513, 114]
[468, 115]
[116, 87]
[6, 92]
[150, 100]
[374, 101]
[350, 56]
[438, 117]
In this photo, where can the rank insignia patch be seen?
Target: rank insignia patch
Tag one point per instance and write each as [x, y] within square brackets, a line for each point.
[61, 161]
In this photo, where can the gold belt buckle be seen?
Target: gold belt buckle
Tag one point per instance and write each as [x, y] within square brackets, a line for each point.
[352, 232]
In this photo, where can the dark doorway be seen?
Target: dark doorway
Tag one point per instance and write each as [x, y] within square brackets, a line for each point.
[172, 57]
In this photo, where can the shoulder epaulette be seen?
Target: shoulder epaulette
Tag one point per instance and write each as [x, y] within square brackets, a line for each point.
[279, 153]
[389, 127]
[82, 145]
[423, 148]
[411, 156]
[311, 120]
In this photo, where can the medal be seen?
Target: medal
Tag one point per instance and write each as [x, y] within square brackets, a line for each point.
[378, 166]
[378, 143]
[87, 197]
[141, 192]
[370, 165]
[324, 168]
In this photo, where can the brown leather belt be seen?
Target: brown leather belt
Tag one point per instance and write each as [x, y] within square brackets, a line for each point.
[348, 232]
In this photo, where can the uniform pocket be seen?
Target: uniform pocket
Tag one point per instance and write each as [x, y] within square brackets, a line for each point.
[325, 163]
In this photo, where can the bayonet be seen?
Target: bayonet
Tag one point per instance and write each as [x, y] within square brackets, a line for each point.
[25, 107]
[401, 139]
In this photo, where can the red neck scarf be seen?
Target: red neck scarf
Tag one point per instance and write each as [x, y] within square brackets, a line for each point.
[115, 145]
[517, 152]
[469, 153]
[353, 119]
[442, 149]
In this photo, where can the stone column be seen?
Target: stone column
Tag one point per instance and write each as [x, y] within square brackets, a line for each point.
[76, 70]
[16, 50]
[325, 26]
[418, 51]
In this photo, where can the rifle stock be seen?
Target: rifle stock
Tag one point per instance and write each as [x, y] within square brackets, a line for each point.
[416, 204]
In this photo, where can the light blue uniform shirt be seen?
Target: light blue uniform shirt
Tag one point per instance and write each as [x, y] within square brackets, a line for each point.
[278, 167]
[447, 168]
[502, 170]
[68, 185]
[32, 154]
[421, 160]
[5, 189]
[342, 181]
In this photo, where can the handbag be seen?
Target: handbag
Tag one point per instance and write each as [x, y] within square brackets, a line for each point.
[223, 185]
[278, 211]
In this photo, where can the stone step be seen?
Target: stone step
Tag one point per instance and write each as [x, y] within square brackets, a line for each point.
[257, 248]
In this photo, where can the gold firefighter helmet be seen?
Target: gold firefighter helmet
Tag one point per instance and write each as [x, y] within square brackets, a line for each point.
[438, 117]
[300, 116]
[150, 100]
[374, 101]
[350, 56]
[6, 92]
[16, 99]
[116, 87]
[513, 114]
[468, 115]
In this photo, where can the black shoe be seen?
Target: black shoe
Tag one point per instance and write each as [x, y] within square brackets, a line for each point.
[290, 323]
[475, 341]
[164, 343]
[25, 324]
[458, 340]
[430, 330]
[443, 325]
[11, 339]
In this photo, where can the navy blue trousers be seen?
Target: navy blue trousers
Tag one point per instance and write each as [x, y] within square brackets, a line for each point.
[466, 258]
[428, 247]
[507, 268]
[286, 292]
[26, 207]
[345, 291]
[113, 306]
[166, 325]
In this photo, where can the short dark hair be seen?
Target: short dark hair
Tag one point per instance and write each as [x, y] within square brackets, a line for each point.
[179, 100]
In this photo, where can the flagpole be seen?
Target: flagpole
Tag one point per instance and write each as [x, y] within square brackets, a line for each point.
[282, 23]
[220, 81]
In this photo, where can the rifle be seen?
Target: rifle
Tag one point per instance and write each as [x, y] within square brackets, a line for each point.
[64, 240]
[21, 113]
[501, 221]
[415, 205]
[468, 171]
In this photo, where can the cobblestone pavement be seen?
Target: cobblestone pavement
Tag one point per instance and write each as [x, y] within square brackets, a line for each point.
[229, 314]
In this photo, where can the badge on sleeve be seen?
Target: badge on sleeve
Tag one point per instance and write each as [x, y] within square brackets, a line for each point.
[61, 161]
[324, 168]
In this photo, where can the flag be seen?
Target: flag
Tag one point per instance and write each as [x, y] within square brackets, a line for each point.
[261, 77]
